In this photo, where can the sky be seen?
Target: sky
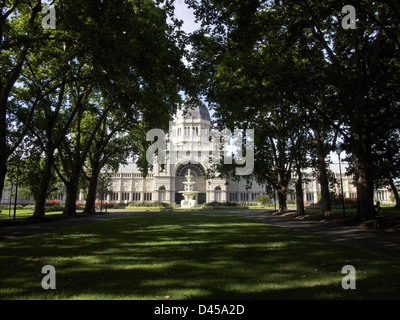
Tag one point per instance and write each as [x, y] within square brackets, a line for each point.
[185, 14]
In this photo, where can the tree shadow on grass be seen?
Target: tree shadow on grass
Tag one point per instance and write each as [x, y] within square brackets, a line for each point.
[190, 256]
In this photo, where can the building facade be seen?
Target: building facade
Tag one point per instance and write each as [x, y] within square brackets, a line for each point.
[311, 187]
[190, 147]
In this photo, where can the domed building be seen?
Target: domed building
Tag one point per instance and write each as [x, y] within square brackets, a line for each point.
[189, 147]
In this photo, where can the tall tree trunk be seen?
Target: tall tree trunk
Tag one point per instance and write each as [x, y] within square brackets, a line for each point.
[70, 202]
[324, 183]
[282, 200]
[299, 193]
[92, 192]
[41, 197]
[3, 171]
[364, 184]
[321, 172]
[365, 198]
[395, 192]
[281, 188]
[4, 153]
[72, 190]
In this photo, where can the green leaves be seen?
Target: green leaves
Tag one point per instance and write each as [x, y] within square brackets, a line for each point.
[287, 67]
[86, 85]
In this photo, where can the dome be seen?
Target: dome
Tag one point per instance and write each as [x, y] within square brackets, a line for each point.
[194, 109]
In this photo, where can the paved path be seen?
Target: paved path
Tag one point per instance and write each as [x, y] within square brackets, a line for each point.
[374, 240]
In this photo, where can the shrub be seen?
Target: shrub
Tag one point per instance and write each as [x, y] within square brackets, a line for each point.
[314, 206]
[223, 204]
[54, 208]
[149, 204]
[252, 204]
[263, 199]
[350, 203]
[109, 205]
[119, 206]
[336, 199]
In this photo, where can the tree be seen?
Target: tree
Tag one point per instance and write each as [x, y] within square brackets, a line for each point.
[387, 162]
[51, 120]
[18, 29]
[150, 80]
[75, 146]
[299, 51]
[324, 139]
[111, 147]
[100, 51]
[103, 187]
[302, 162]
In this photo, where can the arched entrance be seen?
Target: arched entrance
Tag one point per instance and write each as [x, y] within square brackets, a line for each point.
[199, 177]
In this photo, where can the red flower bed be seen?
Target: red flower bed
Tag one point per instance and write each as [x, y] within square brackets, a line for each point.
[52, 203]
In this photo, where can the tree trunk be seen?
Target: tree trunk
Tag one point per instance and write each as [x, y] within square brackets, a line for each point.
[3, 172]
[281, 198]
[90, 207]
[41, 197]
[3, 146]
[70, 202]
[365, 189]
[324, 183]
[395, 192]
[321, 172]
[299, 194]
[281, 188]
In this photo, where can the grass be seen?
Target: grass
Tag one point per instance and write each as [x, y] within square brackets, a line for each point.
[21, 214]
[190, 255]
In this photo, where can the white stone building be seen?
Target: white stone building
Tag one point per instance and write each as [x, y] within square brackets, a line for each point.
[189, 148]
[189, 137]
[311, 187]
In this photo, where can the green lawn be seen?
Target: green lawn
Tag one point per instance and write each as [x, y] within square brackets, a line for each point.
[190, 255]
[21, 213]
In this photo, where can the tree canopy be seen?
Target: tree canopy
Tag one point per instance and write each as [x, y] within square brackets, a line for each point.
[79, 91]
[257, 56]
